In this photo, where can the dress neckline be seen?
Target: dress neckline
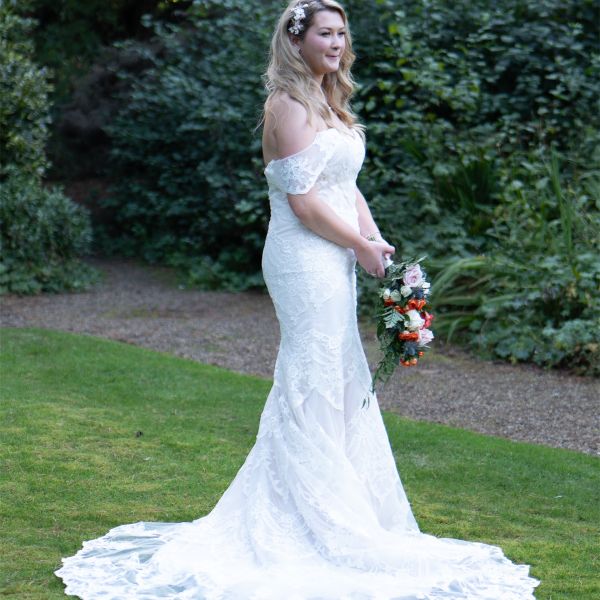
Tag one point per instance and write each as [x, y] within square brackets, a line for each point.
[276, 160]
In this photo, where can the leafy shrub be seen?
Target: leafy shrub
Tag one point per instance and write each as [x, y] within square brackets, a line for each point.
[68, 35]
[41, 231]
[534, 296]
[23, 101]
[72, 38]
[42, 234]
[185, 153]
[452, 90]
[463, 103]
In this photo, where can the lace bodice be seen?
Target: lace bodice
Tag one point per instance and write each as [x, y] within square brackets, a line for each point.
[330, 164]
[333, 158]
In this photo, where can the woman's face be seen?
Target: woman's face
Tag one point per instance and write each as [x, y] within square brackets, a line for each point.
[324, 43]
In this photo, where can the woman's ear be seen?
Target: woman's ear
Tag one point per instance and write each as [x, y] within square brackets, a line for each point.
[295, 41]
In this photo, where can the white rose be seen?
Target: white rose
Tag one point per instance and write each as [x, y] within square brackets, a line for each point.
[406, 290]
[425, 336]
[386, 294]
[415, 322]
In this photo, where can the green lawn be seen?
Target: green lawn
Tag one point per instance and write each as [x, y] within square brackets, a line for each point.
[72, 466]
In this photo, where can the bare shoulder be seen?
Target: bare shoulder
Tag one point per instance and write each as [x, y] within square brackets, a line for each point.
[287, 119]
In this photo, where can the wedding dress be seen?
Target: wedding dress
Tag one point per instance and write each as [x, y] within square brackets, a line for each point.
[317, 511]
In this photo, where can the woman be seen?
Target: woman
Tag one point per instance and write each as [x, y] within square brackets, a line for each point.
[317, 511]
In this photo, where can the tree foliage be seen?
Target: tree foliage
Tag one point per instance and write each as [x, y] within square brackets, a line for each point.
[24, 115]
[185, 151]
[41, 231]
[483, 137]
[69, 34]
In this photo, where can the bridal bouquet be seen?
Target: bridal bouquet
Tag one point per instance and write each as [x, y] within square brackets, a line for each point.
[402, 323]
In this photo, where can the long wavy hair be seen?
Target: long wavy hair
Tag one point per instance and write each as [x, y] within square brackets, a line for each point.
[287, 71]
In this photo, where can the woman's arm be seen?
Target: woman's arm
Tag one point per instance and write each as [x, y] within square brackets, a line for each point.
[368, 227]
[322, 219]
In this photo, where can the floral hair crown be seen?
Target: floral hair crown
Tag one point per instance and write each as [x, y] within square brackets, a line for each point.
[298, 15]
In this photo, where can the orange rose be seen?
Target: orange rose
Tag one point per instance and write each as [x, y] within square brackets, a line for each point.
[408, 336]
[415, 304]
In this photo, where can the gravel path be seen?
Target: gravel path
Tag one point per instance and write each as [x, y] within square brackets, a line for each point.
[143, 305]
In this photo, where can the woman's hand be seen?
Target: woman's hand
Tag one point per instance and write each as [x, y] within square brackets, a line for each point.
[370, 256]
[377, 237]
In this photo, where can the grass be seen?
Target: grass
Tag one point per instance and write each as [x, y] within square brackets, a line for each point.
[72, 466]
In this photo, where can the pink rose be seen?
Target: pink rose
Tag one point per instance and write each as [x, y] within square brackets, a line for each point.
[425, 336]
[413, 276]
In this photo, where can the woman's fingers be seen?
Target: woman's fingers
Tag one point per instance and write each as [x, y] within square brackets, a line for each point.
[385, 247]
[373, 258]
[388, 250]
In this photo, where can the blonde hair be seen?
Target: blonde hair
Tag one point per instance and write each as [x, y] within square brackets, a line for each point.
[287, 71]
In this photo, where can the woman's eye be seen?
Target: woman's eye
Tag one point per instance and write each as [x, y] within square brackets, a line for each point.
[328, 33]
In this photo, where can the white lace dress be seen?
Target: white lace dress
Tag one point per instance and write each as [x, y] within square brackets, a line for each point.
[317, 511]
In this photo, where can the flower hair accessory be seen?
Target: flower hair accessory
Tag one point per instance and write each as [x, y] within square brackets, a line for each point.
[298, 15]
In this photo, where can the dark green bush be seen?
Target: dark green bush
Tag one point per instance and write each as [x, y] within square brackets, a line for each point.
[42, 235]
[451, 90]
[185, 152]
[463, 103]
[533, 296]
[69, 34]
[23, 98]
[41, 231]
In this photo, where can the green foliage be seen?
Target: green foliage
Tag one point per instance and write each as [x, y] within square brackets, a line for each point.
[534, 297]
[185, 152]
[41, 231]
[522, 69]
[69, 34]
[463, 103]
[24, 92]
[42, 234]
[451, 90]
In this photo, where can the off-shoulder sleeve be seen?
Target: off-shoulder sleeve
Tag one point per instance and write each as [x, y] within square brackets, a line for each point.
[298, 173]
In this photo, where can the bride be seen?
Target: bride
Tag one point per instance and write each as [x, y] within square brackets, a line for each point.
[317, 511]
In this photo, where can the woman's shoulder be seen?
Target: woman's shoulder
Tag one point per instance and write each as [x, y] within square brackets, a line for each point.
[286, 110]
[288, 120]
